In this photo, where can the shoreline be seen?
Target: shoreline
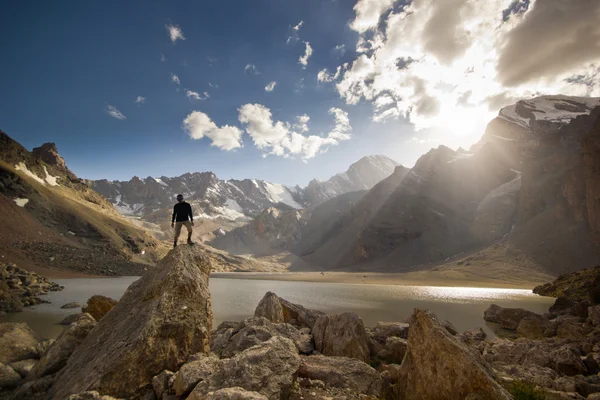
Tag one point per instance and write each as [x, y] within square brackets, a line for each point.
[425, 278]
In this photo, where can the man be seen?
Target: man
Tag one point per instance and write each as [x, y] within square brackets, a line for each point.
[181, 212]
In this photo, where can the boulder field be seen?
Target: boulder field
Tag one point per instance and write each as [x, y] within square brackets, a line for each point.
[158, 343]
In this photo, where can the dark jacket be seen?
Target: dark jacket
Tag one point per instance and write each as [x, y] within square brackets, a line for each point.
[182, 211]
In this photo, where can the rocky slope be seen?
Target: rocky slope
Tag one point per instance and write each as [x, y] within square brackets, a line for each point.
[235, 200]
[529, 183]
[286, 351]
[53, 220]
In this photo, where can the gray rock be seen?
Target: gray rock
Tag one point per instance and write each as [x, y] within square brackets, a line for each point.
[55, 358]
[42, 347]
[508, 318]
[161, 320]
[98, 306]
[90, 395]
[473, 336]
[342, 372]
[383, 330]
[439, 366]
[533, 327]
[236, 393]
[73, 304]
[34, 390]
[342, 335]
[594, 315]
[271, 305]
[24, 366]
[160, 383]
[69, 319]
[193, 372]
[567, 360]
[17, 342]
[9, 378]
[268, 368]
[258, 329]
[394, 350]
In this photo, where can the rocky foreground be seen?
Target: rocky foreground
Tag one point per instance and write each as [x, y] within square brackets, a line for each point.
[157, 342]
[20, 288]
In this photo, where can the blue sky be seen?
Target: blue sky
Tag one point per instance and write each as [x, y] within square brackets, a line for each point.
[66, 64]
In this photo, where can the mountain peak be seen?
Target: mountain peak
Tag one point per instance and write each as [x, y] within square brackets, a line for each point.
[552, 109]
[48, 153]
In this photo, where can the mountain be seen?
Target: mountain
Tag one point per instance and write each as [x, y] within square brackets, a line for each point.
[526, 194]
[230, 203]
[51, 219]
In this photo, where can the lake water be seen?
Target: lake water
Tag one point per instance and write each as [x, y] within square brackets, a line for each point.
[235, 299]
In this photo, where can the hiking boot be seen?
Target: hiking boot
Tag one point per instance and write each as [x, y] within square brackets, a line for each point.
[190, 242]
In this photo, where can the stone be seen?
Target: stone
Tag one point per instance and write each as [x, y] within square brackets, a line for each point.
[383, 330]
[342, 335]
[437, 365]
[73, 304]
[55, 358]
[236, 393]
[17, 342]
[540, 376]
[98, 306]
[23, 367]
[395, 348]
[268, 368]
[34, 390]
[90, 395]
[269, 308]
[9, 378]
[533, 327]
[342, 372]
[594, 315]
[449, 327]
[592, 363]
[508, 318]
[473, 336]
[572, 330]
[565, 306]
[567, 360]
[193, 372]
[162, 319]
[160, 383]
[259, 329]
[42, 347]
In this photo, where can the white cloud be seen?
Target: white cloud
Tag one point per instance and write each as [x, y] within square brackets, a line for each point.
[298, 26]
[198, 125]
[175, 79]
[442, 64]
[340, 50]
[251, 69]
[271, 86]
[163, 58]
[213, 85]
[140, 99]
[114, 112]
[368, 13]
[175, 33]
[284, 139]
[307, 53]
[196, 96]
[325, 76]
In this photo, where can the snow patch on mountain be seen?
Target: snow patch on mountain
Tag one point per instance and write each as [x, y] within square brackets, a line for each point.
[280, 194]
[50, 179]
[23, 168]
[557, 109]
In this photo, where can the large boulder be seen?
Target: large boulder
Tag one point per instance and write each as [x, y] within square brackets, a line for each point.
[533, 327]
[17, 342]
[508, 318]
[437, 365]
[193, 372]
[98, 306]
[269, 368]
[342, 372]
[342, 335]
[23, 367]
[161, 320]
[255, 330]
[59, 352]
[276, 309]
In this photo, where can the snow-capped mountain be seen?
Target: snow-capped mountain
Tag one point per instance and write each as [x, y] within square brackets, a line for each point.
[548, 111]
[236, 200]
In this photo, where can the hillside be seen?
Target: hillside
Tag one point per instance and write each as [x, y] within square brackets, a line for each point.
[52, 220]
[524, 197]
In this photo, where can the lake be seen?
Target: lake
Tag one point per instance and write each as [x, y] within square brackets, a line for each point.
[236, 299]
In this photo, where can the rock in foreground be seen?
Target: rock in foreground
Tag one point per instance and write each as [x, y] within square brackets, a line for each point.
[439, 366]
[277, 310]
[161, 320]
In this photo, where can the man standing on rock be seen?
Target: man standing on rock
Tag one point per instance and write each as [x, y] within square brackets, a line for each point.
[182, 215]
